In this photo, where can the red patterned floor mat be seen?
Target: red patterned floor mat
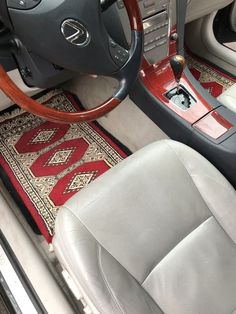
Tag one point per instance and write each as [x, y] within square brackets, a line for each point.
[47, 163]
[210, 78]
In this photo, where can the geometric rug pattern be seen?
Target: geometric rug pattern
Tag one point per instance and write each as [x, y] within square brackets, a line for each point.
[214, 81]
[47, 163]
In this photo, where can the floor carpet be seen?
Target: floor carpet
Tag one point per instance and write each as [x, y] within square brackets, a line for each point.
[46, 163]
[213, 80]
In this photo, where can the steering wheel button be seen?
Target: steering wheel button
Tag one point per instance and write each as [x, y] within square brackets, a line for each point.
[120, 4]
[16, 4]
[22, 4]
[113, 43]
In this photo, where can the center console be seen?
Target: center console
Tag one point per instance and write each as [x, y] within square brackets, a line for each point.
[188, 114]
[156, 23]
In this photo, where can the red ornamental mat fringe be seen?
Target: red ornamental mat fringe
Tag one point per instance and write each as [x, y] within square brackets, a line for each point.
[47, 162]
[210, 78]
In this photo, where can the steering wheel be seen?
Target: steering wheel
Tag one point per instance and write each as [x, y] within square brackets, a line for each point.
[71, 34]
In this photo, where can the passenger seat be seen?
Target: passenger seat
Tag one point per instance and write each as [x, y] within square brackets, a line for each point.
[228, 98]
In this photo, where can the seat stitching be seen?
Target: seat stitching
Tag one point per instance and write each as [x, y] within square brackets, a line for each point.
[108, 286]
[175, 248]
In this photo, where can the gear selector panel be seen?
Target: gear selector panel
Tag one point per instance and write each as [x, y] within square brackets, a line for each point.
[181, 98]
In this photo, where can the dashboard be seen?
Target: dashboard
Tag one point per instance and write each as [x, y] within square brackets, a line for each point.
[159, 16]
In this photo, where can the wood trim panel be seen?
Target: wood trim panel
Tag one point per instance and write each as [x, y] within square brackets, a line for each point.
[159, 79]
[28, 104]
[134, 14]
[213, 125]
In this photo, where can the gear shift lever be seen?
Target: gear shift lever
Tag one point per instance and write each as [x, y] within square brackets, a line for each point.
[179, 96]
[177, 64]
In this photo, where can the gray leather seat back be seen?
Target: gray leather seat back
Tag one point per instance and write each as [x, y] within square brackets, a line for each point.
[146, 237]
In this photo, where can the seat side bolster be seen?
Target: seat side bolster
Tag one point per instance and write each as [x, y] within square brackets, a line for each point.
[99, 276]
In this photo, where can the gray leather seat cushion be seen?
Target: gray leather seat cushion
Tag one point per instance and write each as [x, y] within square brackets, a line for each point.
[156, 234]
[228, 98]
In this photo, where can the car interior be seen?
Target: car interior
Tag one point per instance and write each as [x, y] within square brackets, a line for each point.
[118, 156]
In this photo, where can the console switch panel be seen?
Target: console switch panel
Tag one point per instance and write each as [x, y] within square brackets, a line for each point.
[148, 7]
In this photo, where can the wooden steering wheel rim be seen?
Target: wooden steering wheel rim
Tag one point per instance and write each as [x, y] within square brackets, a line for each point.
[34, 107]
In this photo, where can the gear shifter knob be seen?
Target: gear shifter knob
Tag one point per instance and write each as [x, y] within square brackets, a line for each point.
[178, 63]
